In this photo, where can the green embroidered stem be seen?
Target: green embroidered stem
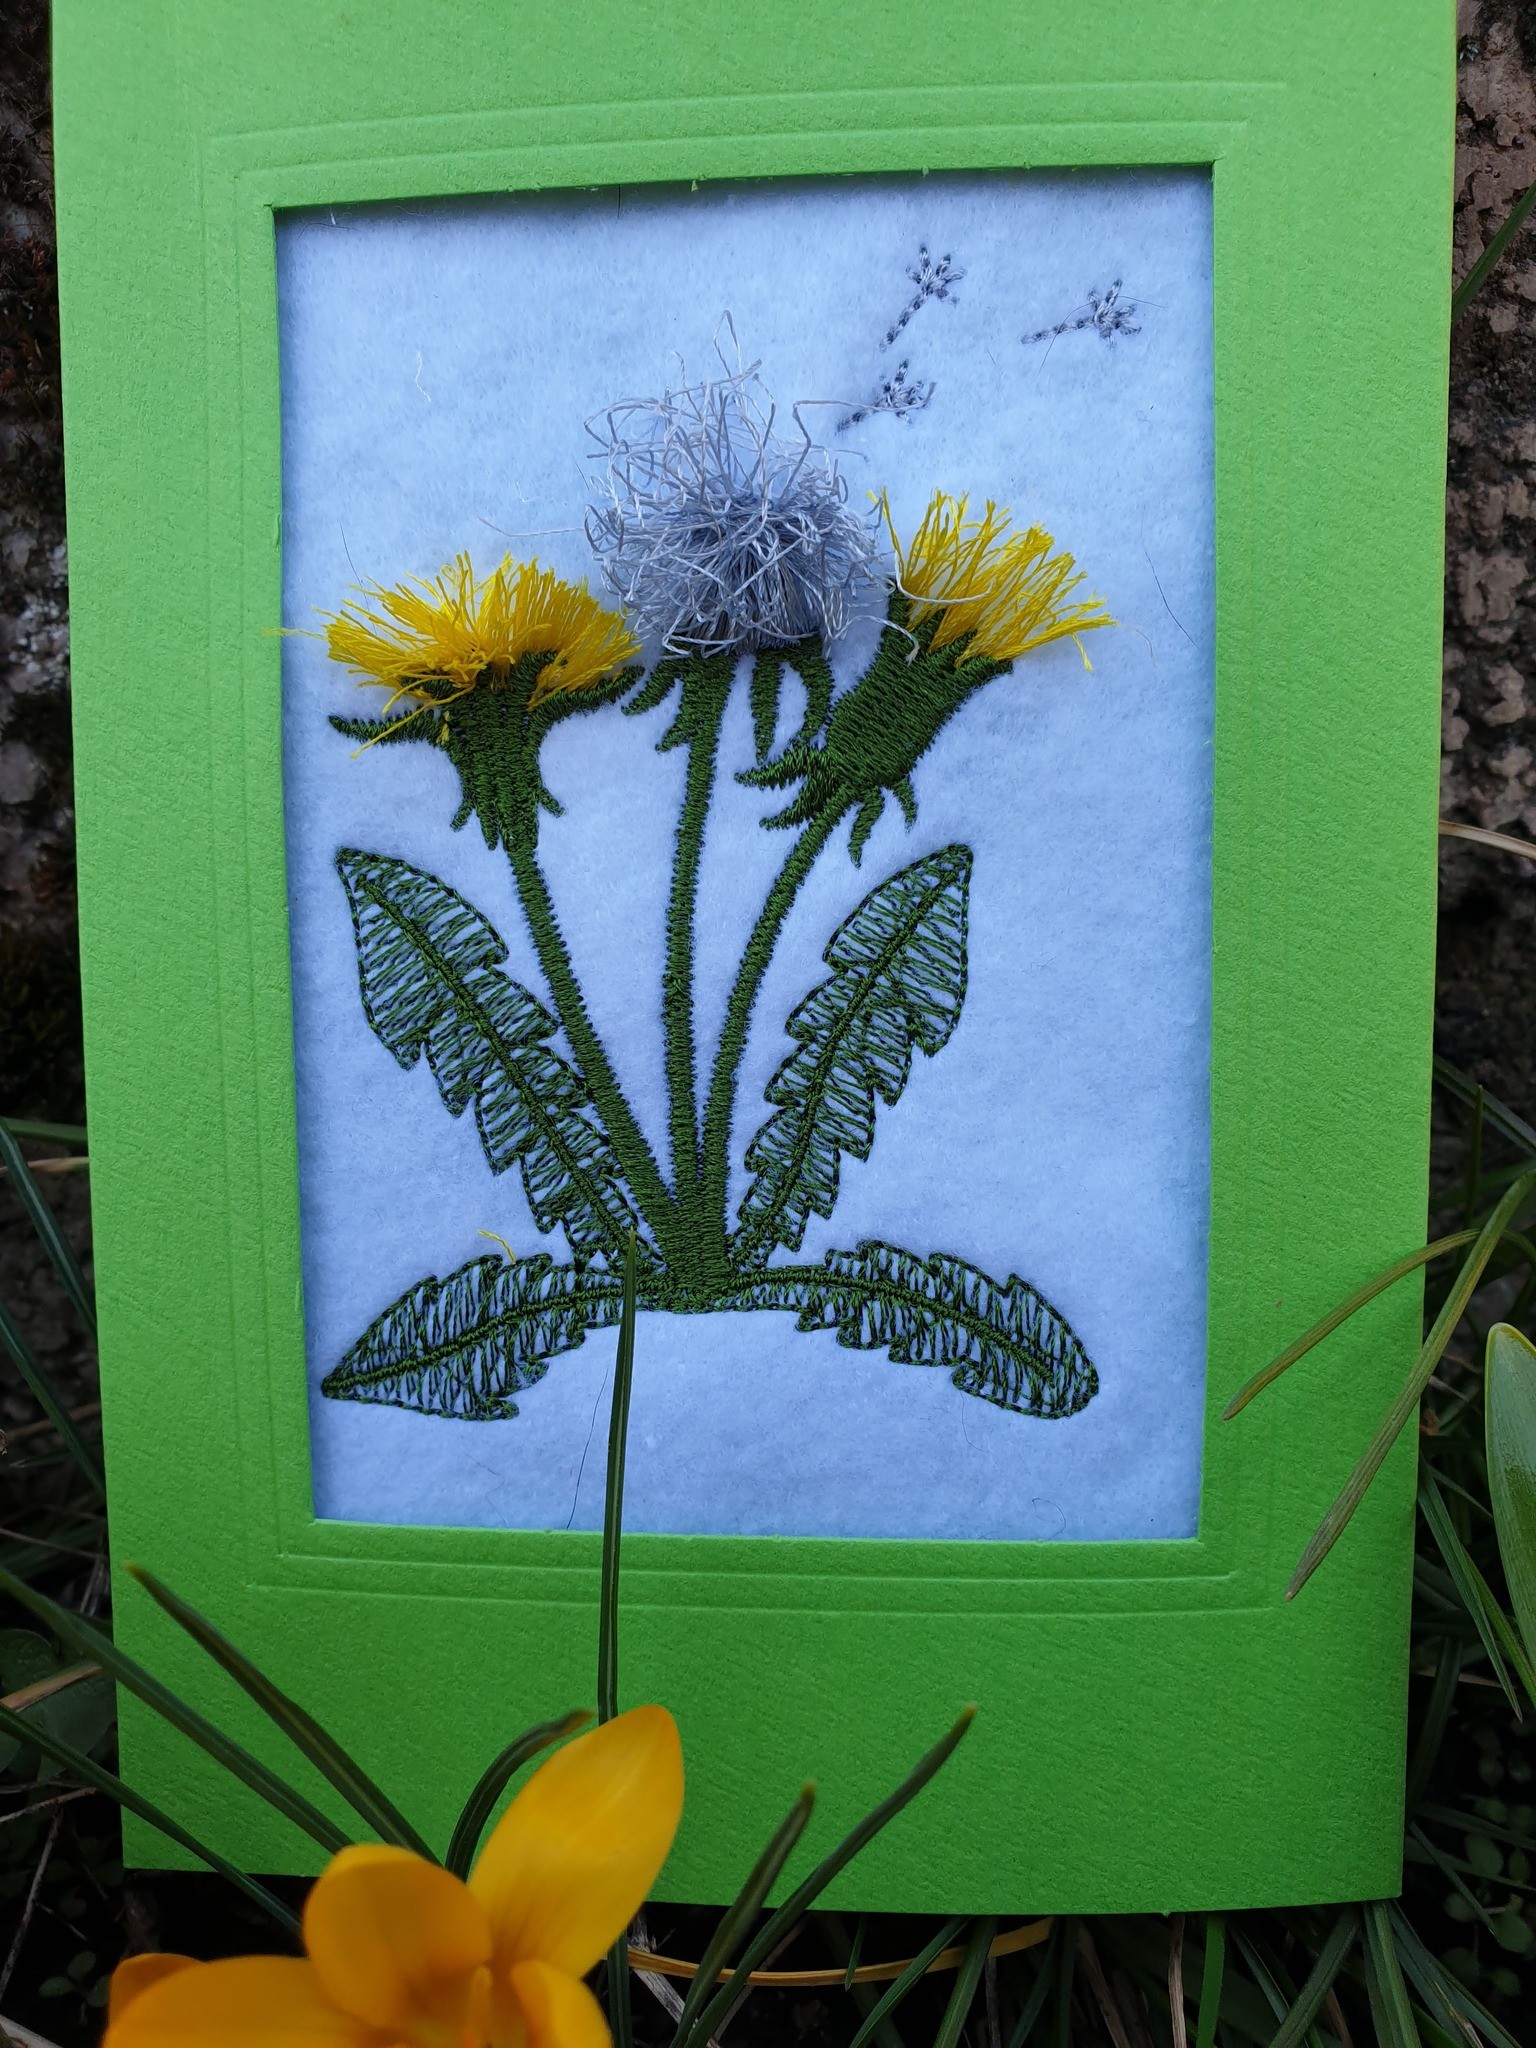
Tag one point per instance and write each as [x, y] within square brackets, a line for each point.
[706, 682]
[720, 1107]
[625, 1135]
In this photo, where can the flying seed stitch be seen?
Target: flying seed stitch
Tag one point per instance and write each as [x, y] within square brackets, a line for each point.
[934, 280]
[1108, 315]
[896, 396]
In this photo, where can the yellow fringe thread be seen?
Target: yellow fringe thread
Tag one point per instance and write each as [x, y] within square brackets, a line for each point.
[1008, 592]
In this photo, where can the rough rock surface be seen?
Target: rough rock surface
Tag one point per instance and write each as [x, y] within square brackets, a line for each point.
[40, 1067]
[40, 1063]
[1487, 1015]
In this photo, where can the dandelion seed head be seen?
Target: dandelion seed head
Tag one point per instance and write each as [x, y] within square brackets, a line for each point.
[715, 531]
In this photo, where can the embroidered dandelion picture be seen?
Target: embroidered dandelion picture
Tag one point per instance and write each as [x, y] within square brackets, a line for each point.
[750, 797]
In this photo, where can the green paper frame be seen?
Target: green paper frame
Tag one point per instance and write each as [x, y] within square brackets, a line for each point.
[1158, 1729]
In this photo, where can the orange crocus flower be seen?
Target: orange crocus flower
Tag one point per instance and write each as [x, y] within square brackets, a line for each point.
[402, 1954]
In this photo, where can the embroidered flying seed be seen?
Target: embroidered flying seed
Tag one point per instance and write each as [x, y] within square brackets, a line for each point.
[1108, 315]
[934, 280]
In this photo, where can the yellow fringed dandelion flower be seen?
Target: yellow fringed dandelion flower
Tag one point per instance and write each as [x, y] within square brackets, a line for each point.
[402, 1954]
[436, 639]
[1004, 592]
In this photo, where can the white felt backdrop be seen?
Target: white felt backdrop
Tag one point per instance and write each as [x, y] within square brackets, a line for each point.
[438, 363]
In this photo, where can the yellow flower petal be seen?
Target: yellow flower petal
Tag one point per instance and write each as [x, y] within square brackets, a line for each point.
[1002, 592]
[573, 1856]
[434, 640]
[557, 2011]
[248, 2002]
[135, 1974]
[396, 1941]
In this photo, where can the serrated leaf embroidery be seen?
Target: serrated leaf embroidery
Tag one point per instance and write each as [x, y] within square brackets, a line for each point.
[467, 1345]
[429, 966]
[1001, 1341]
[899, 979]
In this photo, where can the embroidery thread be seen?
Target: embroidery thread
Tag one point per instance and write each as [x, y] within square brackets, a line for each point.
[1108, 315]
[934, 280]
[723, 542]
[896, 396]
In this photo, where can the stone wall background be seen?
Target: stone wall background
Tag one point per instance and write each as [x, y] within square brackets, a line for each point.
[1486, 1017]
[40, 1064]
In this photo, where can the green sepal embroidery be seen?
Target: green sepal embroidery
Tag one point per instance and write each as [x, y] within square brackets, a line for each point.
[429, 966]
[467, 1345]
[877, 732]
[492, 734]
[424, 723]
[898, 981]
[1004, 1343]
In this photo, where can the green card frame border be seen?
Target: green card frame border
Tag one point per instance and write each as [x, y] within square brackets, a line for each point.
[1322, 910]
[248, 182]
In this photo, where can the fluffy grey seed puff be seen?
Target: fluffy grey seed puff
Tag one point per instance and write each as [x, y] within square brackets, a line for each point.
[715, 533]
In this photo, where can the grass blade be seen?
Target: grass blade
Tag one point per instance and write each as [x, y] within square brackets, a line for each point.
[250, 1770]
[613, 1500]
[1506, 1634]
[811, 1887]
[1066, 1973]
[849, 1954]
[1510, 1434]
[1212, 1972]
[1406, 1403]
[620, 2014]
[60, 1256]
[1462, 296]
[1331, 1958]
[48, 1400]
[855, 1951]
[1496, 1114]
[896, 1991]
[965, 1984]
[29, 1127]
[1468, 1580]
[1437, 1714]
[1395, 2011]
[1261, 1974]
[1452, 1875]
[1335, 1316]
[493, 1781]
[1034, 2005]
[340, 1770]
[1438, 1987]
[102, 1780]
[744, 1909]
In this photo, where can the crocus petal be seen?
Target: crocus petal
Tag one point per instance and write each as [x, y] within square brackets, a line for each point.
[574, 1855]
[394, 1939]
[248, 2002]
[557, 2011]
[136, 1973]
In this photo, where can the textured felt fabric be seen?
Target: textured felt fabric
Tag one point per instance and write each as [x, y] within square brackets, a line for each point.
[438, 364]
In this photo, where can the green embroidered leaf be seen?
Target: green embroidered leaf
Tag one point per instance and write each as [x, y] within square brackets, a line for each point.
[465, 1346]
[899, 980]
[1004, 1343]
[429, 965]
